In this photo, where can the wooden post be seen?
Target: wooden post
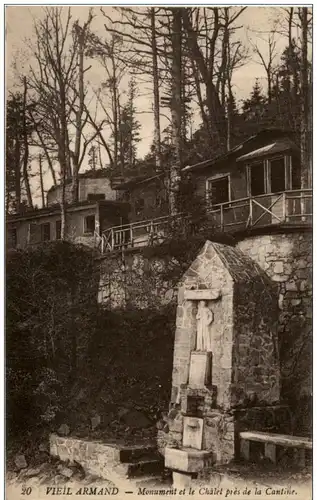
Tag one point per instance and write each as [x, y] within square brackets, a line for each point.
[112, 239]
[131, 235]
[251, 213]
[284, 207]
[221, 218]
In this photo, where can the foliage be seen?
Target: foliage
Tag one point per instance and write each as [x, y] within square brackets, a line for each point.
[60, 343]
[17, 125]
[51, 305]
[121, 371]
[129, 132]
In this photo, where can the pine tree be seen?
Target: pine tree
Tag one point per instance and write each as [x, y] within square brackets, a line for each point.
[254, 106]
[129, 131]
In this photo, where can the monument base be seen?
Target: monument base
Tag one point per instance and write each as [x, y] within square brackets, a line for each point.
[187, 459]
[200, 369]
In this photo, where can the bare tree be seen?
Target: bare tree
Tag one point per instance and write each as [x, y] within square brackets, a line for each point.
[267, 58]
[206, 69]
[78, 153]
[142, 53]
[26, 147]
[57, 85]
[233, 56]
[156, 93]
[41, 180]
[176, 110]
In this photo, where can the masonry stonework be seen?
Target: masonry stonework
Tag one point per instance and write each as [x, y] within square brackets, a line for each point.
[287, 260]
[244, 381]
[132, 280]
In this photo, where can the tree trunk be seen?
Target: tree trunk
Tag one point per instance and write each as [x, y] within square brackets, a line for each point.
[176, 110]
[304, 119]
[215, 110]
[156, 94]
[17, 173]
[26, 149]
[79, 113]
[41, 181]
[63, 204]
[63, 153]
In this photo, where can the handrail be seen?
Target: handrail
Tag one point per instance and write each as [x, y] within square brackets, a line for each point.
[265, 209]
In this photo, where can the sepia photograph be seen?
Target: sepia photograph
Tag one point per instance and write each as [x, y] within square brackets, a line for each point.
[158, 251]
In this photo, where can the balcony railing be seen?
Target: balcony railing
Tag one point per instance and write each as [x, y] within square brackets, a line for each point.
[288, 207]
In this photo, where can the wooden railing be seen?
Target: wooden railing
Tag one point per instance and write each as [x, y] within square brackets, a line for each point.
[287, 207]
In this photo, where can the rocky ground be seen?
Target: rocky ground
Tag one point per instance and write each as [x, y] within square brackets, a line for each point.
[39, 476]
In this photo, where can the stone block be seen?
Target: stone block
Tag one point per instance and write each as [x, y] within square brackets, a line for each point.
[186, 460]
[193, 432]
[200, 369]
[202, 294]
[20, 462]
[291, 286]
[278, 267]
[181, 480]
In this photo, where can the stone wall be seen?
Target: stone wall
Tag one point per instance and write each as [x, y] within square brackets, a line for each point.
[134, 281]
[287, 260]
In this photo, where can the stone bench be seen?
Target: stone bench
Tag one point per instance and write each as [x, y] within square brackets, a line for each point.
[271, 441]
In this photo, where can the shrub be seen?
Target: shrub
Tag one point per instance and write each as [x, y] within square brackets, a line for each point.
[51, 305]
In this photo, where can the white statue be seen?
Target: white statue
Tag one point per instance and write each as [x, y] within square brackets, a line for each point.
[204, 318]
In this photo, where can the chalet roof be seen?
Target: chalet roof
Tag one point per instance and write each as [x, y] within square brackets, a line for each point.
[55, 209]
[135, 181]
[266, 134]
[278, 146]
[88, 174]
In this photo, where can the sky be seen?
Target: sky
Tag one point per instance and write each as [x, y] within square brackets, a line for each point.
[19, 36]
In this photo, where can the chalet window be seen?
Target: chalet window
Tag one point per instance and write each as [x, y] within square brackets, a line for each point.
[296, 181]
[277, 175]
[89, 224]
[218, 190]
[96, 196]
[33, 233]
[45, 231]
[257, 179]
[58, 229]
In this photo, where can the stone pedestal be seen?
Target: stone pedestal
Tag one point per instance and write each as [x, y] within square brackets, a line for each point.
[200, 369]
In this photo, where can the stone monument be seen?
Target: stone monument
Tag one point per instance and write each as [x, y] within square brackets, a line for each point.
[225, 369]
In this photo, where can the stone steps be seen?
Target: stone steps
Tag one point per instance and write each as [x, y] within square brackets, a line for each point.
[153, 481]
[132, 453]
[140, 467]
[110, 461]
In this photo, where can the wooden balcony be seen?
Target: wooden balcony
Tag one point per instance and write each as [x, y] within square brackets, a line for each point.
[289, 208]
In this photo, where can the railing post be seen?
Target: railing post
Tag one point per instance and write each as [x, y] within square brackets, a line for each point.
[251, 212]
[284, 207]
[221, 218]
[131, 235]
[112, 239]
[102, 244]
[302, 205]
